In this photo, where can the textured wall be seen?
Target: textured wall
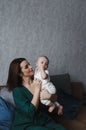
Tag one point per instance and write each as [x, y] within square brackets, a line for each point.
[56, 28]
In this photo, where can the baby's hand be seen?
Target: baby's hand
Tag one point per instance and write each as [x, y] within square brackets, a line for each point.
[41, 68]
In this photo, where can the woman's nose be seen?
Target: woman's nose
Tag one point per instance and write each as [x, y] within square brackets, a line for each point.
[30, 66]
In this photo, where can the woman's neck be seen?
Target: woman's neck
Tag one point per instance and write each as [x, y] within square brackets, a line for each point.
[27, 81]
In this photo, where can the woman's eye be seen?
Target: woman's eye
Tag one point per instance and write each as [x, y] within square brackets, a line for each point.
[42, 62]
[27, 66]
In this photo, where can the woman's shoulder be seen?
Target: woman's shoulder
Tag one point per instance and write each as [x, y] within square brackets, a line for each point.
[17, 89]
[17, 92]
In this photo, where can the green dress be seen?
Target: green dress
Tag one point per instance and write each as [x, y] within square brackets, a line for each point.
[27, 117]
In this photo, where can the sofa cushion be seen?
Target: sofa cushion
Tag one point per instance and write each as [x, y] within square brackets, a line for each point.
[6, 115]
[7, 95]
[71, 105]
[62, 81]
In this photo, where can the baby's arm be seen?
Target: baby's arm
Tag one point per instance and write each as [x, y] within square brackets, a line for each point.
[44, 75]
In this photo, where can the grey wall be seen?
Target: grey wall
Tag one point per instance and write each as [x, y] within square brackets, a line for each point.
[56, 28]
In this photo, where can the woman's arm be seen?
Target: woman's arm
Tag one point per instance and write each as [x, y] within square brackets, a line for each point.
[36, 96]
[23, 100]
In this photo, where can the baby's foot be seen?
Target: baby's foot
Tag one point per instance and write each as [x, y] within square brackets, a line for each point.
[60, 110]
[51, 108]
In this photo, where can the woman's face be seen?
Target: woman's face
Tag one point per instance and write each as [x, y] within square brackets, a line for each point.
[26, 69]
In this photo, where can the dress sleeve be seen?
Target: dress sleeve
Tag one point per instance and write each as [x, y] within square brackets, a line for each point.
[23, 104]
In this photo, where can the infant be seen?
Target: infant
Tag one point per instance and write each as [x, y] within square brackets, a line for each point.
[42, 73]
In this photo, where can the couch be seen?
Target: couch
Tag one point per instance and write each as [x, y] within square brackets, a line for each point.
[70, 95]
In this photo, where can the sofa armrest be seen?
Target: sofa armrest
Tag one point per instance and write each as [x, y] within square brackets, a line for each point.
[1, 86]
[77, 89]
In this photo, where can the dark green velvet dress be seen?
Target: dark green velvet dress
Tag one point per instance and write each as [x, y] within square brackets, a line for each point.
[27, 117]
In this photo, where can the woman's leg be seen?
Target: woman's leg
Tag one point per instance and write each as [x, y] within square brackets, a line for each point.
[53, 125]
[49, 126]
[38, 128]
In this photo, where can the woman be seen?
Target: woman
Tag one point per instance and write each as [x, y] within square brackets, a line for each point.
[30, 113]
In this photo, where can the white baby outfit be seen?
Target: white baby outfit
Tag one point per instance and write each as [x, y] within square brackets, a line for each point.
[48, 85]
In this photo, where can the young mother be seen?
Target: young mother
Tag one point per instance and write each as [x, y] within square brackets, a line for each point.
[30, 113]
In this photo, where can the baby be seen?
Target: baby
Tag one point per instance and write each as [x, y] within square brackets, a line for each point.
[41, 72]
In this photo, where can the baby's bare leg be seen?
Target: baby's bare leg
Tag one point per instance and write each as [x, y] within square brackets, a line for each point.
[51, 107]
[60, 110]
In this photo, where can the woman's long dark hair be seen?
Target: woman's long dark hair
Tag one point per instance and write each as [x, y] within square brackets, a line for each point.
[14, 78]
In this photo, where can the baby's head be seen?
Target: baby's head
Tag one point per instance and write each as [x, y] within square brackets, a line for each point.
[42, 61]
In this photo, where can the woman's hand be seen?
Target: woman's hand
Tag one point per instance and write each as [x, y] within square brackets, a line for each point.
[37, 85]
